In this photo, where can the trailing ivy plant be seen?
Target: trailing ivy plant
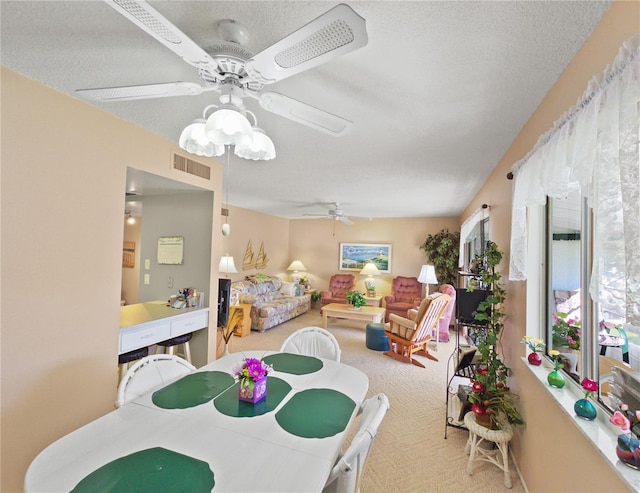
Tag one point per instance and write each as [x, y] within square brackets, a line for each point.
[443, 250]
[493, 395]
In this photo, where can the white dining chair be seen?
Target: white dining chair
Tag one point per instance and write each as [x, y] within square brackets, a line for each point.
[151, 372]
[312, 341]
[346, 474]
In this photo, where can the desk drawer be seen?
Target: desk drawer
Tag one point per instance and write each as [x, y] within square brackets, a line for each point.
[144, 337]
[189, 324]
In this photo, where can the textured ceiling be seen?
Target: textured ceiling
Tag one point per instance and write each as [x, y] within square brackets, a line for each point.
[436, 97]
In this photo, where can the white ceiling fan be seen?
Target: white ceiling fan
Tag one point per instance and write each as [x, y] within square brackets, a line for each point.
[235, 73]
[337, 214]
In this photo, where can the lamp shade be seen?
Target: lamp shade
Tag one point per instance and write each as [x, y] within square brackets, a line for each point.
[296, 265]
[428, 275]
[370, 269]
[226, 265]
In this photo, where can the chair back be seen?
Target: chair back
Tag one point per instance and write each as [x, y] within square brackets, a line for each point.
[312, 341]
[431, 317]
[149, 373]
[346, 474]
[406, 289]
[339, 284]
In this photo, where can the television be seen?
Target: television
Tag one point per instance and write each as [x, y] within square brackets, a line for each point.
[224, 293]
[467, 305]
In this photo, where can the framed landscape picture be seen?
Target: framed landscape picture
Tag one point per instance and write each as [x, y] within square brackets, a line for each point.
[354, 256]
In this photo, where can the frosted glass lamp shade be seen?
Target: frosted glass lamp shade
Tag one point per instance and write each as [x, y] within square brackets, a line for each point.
[260, 148]
[428, 275]
[296, 265]
[227, 265]
[228, 126]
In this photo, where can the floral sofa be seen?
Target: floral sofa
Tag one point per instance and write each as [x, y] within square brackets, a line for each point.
[273, 300]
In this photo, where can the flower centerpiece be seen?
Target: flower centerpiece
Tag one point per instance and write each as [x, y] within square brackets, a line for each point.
[252, 375]
[555, 378]
[628, 446]
[536, 346]
[566, 331]
[356, 299]
[584, 408]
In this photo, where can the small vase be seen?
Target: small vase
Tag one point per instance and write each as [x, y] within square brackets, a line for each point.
[628, 450]
[585, 409]
[555, 379]
[534, 359]
[250, 391]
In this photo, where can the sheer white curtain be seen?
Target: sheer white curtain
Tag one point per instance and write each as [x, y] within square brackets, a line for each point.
[593, 148]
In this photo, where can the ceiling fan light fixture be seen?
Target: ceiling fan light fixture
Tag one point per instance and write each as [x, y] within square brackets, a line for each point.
[228, 126]
[260, 148]
[194, 140]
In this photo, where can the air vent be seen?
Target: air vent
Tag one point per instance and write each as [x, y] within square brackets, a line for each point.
[192, 167]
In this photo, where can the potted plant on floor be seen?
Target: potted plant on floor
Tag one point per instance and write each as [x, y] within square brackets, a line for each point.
[491, 398]
[356, 299]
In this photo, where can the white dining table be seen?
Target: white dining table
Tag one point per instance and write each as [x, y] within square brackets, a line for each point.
[244, 454]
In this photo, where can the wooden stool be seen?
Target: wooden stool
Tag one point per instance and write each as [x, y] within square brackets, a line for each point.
[126, 358]
[182, 340]
[499, 456]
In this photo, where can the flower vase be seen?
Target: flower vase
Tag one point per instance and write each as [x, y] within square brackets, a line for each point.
[252, 391]
[555, 379]
[585, 409]
[534, 359]
[628, 450]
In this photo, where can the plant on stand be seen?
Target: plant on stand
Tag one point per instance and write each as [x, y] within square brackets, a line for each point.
[490, 393]
[443, 250]
[356, 299]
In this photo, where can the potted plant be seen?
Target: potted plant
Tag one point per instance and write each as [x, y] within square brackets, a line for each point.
[356, 299]
[443, 250]
[491, 398]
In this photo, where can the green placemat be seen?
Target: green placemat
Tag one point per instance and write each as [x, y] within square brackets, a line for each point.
[150, 471]
[296, 364]
[229, 404]
[192, 390]
[316, 413]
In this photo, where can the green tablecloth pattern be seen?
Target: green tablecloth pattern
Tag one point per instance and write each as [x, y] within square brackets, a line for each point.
[150, 471]
[192, 390]
[228, 403]
[296, 364]
[316, 413]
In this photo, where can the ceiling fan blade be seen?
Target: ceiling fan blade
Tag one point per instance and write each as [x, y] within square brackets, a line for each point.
[304, 113]
[335, 33]
[147, 91]
[345, 220]
[152, 22]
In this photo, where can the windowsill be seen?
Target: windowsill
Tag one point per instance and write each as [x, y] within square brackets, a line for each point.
[602, 434]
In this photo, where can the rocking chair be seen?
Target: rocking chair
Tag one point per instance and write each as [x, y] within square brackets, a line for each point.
[407, 337]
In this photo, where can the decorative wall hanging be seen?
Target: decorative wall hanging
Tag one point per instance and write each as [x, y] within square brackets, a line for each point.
[354, 256]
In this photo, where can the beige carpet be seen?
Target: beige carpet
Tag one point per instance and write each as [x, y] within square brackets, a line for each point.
[410, 453]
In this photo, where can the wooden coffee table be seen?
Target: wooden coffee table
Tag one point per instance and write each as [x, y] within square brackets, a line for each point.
[340, 310]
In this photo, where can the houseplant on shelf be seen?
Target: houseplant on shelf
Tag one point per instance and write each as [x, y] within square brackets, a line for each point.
[490, 394]
[356, 299]
[443, 250]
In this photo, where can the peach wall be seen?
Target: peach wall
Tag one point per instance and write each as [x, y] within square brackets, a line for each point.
[316, 242]
[63, 179]
[550, 452]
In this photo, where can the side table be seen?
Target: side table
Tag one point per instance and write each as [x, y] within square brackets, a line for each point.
[498, 456]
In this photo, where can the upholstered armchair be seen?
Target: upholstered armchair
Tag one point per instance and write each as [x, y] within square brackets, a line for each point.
[406, 293]
[339, 284]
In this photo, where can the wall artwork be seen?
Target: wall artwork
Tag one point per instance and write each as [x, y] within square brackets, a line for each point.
[354, 256]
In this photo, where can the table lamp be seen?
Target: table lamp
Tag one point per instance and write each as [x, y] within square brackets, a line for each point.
[428, 276]
[226, 265]
[370, 269]
[296, 266]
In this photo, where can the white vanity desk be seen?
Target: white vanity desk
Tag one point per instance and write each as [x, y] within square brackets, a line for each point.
[144, 324]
